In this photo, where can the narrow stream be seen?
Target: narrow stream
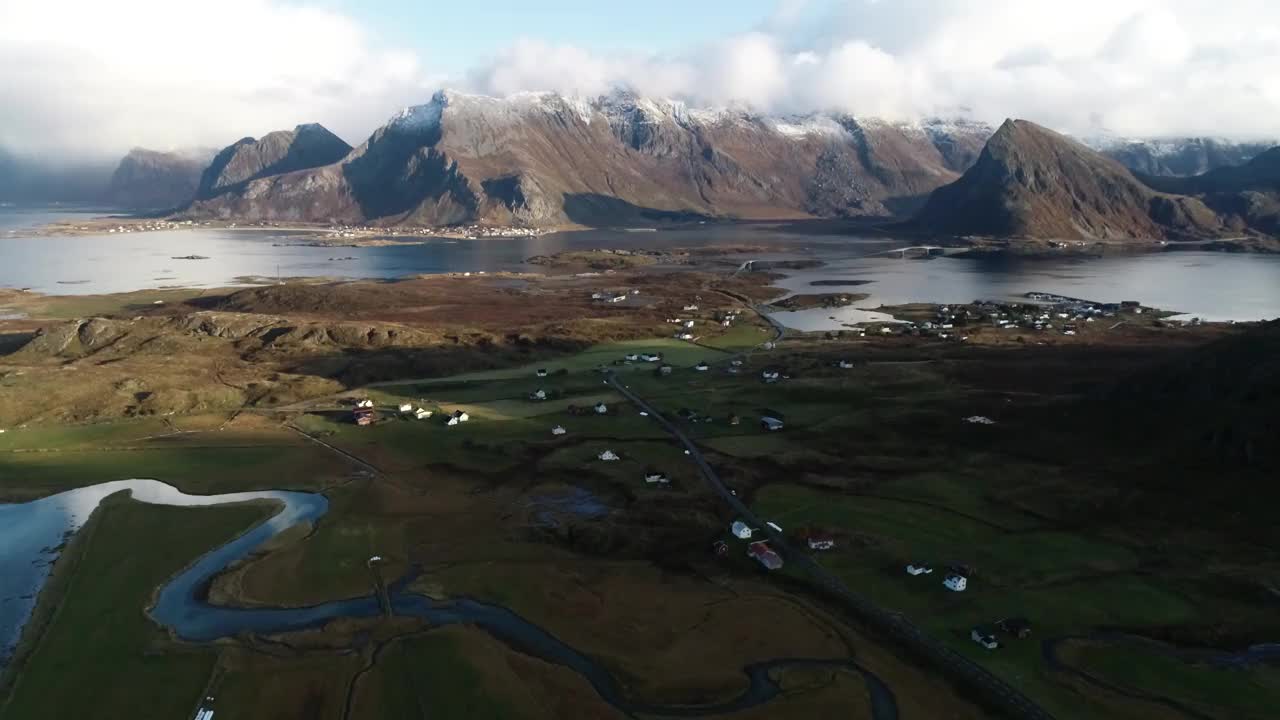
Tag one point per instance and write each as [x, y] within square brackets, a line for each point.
[30, 533]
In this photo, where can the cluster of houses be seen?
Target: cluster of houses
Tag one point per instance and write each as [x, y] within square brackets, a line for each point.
[417, 413]
[148, 226]
[1047, 313]
[760, 551]
[957, 580]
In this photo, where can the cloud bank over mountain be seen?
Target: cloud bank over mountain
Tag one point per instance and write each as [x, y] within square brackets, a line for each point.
[81, 77]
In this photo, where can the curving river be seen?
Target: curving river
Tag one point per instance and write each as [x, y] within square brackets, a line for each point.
[30, 533]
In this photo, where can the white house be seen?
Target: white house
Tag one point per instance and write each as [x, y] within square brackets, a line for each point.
[609, 456]
[740, 530]
[452, 421]
[366, 403]
[919, 569]
[538, 395]
[770, 375]
[650, 357]
[691, 308]
[684, 336]
[656, 477]
[632, 357]
[689, 323]
[771, 424]
[542, 372]
[601, 408]
[422, 413]
[558, 430]
[845, 365]
[956, 583]
[702, 367]
[406, 408]
[726, 323]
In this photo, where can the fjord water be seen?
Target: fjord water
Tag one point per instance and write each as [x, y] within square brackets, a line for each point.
[1213, 286]
[1209, 285]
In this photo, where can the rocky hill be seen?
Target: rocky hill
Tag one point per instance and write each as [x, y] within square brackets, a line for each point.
[1032, 182]
[545, 159]
[283, 151]
[147, 179]
[1177, 157]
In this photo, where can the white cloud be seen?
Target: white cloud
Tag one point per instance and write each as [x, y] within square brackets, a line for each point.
[87, 76]
[1142, 67]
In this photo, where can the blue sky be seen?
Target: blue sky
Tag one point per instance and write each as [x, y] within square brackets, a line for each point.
[453, 37]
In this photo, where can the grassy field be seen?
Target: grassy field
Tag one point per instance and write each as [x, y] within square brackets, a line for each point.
[100, 640]
[1221, 692]
[432, 675]
[251, 454]
[1064, 582]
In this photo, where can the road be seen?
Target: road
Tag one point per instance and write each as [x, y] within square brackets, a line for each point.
[971, 675]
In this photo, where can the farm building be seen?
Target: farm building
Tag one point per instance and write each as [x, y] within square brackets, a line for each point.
[558, 430]
[771, 424]
[919, 569]
[609, 456]
[821, 541]
[765, 555]
[956, 582]
[740, 530]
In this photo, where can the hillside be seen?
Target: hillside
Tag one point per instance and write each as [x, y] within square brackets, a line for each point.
[1216, 403]
[545, 159]
[147, 179]
[1032, 182]
[283, 151]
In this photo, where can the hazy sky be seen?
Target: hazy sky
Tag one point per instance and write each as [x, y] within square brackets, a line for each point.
[95, 76]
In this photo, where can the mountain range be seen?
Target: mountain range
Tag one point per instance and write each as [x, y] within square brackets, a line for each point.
[1177, 157]
[545, 159]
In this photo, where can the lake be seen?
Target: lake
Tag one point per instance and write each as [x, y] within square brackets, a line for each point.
[1213, 286]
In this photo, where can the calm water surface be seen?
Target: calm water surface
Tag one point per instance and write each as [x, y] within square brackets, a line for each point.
[1214, 286]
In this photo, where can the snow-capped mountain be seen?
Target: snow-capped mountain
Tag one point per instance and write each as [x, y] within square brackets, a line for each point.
[1177, 157]
[548, 159]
